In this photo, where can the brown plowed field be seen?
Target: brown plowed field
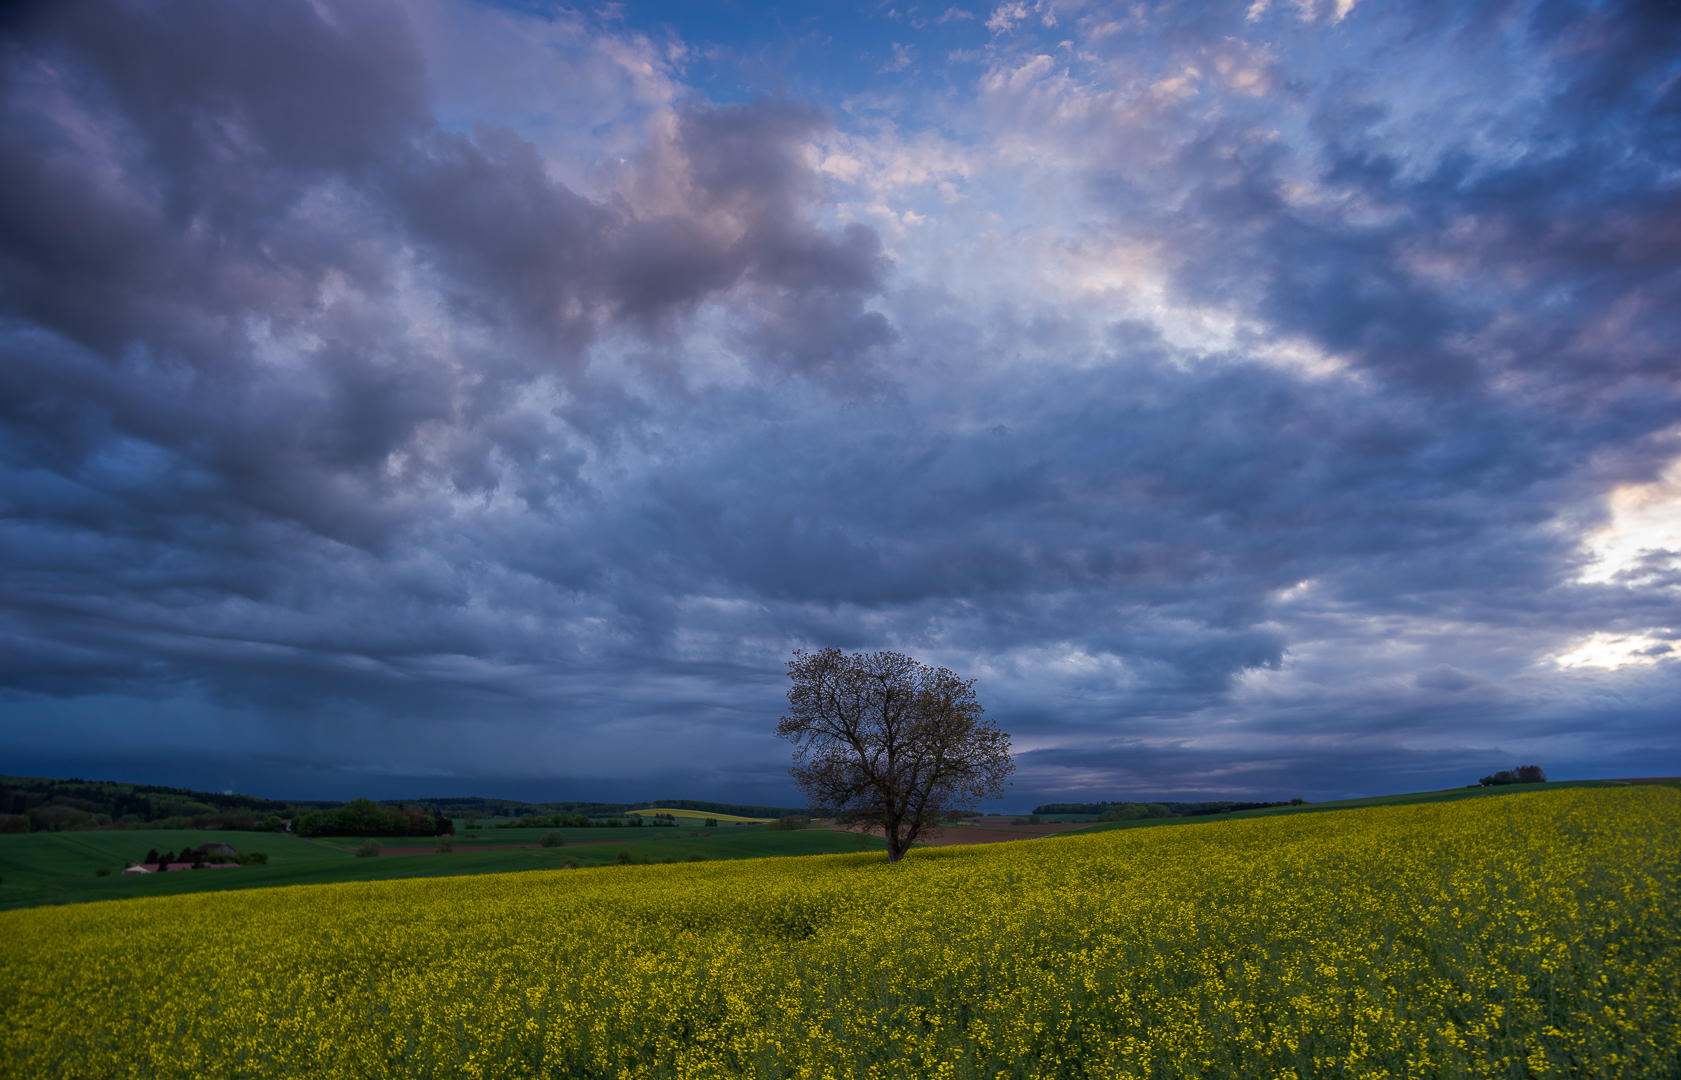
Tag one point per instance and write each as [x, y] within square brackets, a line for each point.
[418, 850]
[978, 834]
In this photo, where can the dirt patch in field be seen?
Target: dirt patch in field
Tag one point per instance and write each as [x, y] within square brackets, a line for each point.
[460, 848]
[978, 834]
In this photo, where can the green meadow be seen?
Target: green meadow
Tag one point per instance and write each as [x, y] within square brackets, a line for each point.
[1411, 798]
[62, 867]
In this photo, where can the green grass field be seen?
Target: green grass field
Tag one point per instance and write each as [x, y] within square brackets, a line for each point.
[1408, 799]
[60, 867]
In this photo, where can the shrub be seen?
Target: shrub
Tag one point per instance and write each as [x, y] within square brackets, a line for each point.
[694, 834]
[1530, 774]
[446, 844]
[364, 817]
[253, 858]
[625, 859]
[790, 823]
[1155, 810]
[1035, 819]
[554, 839]
[103, 871]
[368, 850]
[697, 858]
[1298, 801]
[569, 864]
[1109, 815]
[710, 823]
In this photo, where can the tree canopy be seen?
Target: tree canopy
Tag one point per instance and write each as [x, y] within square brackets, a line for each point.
[886, 741]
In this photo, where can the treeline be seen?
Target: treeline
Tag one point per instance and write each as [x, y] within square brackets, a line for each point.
[42, 804]
[582, 821]
[476, 807]
[1228, 808]
[473, 807]
[1127, 811]
[364, 817]
[737, 809]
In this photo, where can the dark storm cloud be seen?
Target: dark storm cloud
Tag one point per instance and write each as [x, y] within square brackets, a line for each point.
[358, 448]
[178, 171]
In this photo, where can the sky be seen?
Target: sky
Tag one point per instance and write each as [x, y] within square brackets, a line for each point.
[1256, 399]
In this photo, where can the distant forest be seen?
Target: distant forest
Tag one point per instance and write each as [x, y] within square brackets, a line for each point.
[41, 804]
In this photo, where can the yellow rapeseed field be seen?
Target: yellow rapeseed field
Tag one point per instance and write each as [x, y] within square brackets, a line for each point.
[1527, 935]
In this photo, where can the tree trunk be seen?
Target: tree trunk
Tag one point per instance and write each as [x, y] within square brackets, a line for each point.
[894, 851]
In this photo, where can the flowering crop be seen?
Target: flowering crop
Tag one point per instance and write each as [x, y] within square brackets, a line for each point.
[1526, 935]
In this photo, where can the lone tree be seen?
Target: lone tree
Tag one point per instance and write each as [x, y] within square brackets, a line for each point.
[887, 741]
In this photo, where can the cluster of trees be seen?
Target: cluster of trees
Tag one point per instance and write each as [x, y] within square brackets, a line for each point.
[364, 817]
[1226, 808]
[1523, 774]
[200, 858]
[1134, 812]
[576, 821]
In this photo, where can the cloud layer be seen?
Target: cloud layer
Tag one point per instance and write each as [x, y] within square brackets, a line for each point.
[401, 399]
